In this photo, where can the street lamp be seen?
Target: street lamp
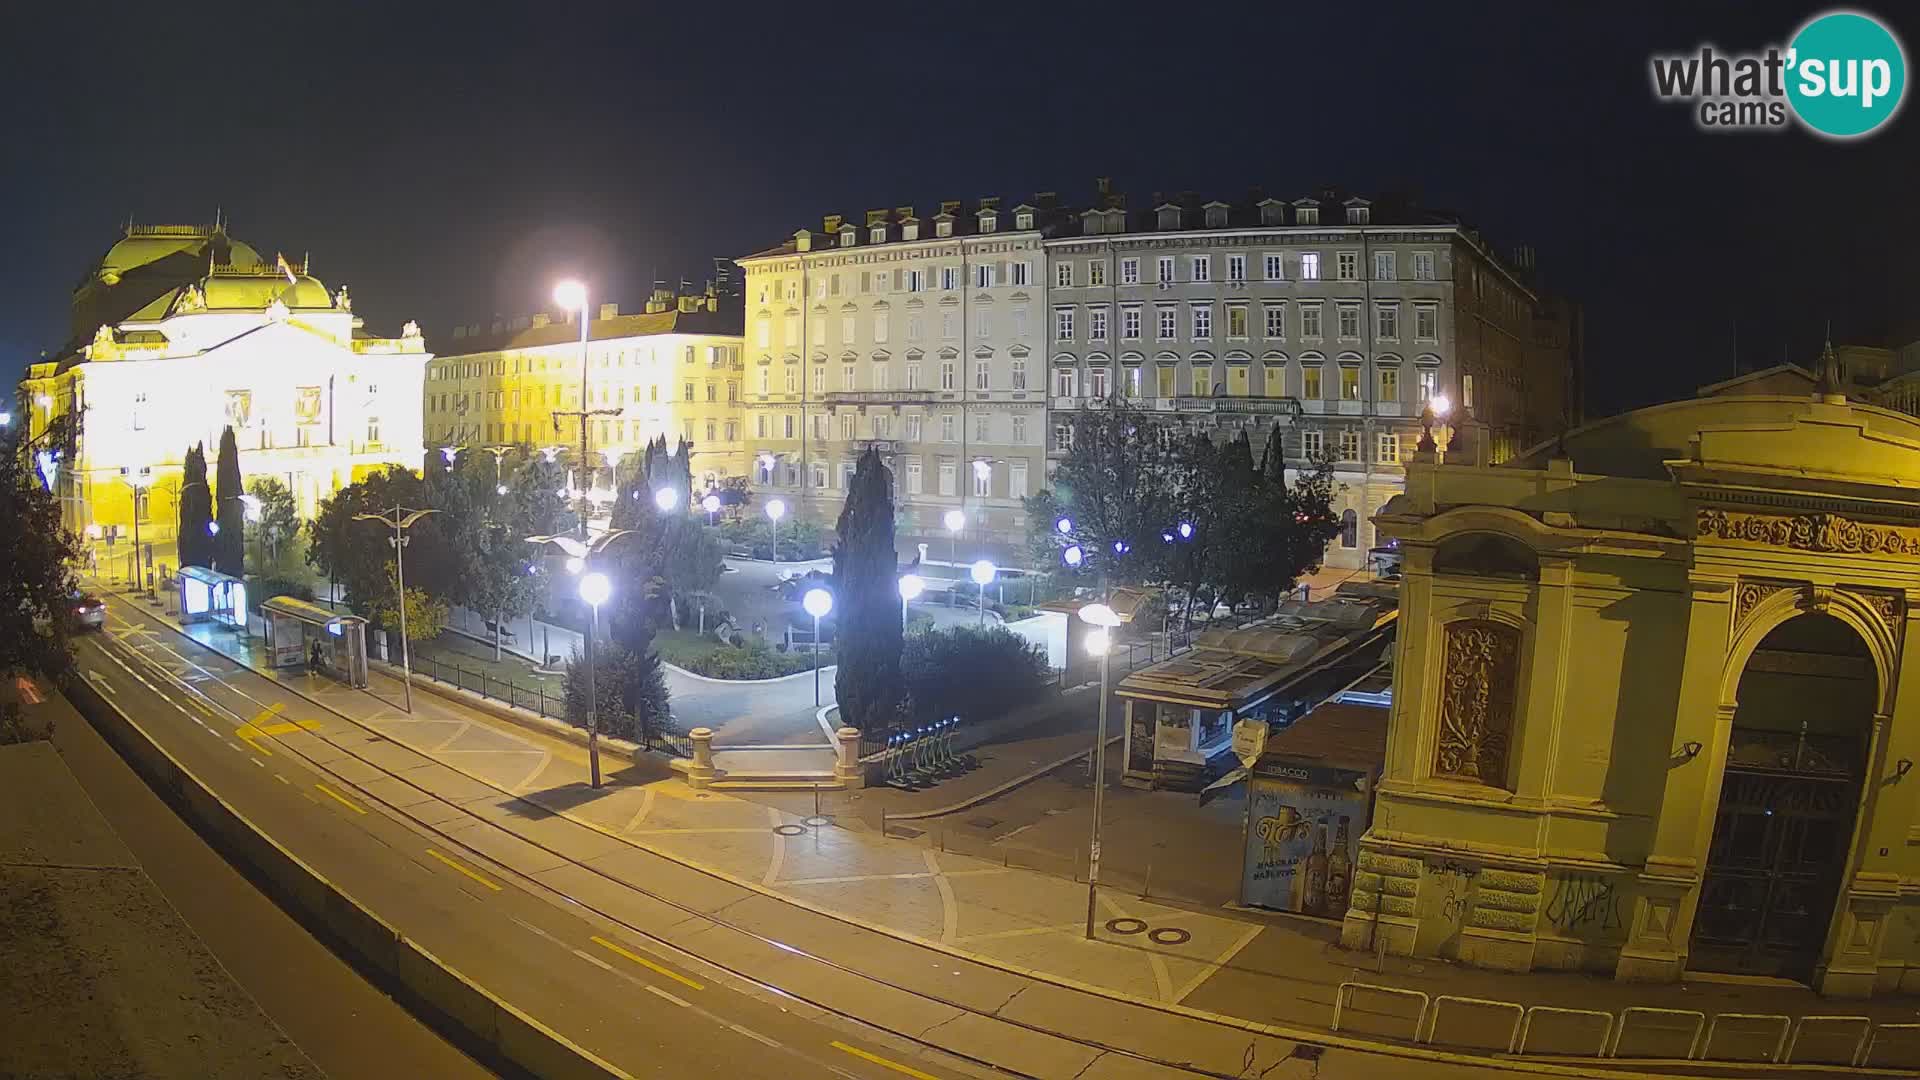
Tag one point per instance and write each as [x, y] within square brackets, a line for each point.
[6, 418]
[955, 520]
[400, 521]
[138, 482]
[1064, 526]
[775, 511]
[1100, 643]
[572, 296]
[911, 586]
[982, 573]
[1073, 556]
[817, 602]
[666, 499]
[594, 589]
[711, 504]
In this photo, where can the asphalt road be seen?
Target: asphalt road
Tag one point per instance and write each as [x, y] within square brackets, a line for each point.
[581, 975]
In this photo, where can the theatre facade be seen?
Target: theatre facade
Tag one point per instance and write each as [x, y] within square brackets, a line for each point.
[1654, 711]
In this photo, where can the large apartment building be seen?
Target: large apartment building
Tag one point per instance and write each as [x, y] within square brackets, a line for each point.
[673, 369]
[921, 335]
[1334, 317]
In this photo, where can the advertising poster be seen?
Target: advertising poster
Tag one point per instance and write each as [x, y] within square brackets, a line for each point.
[1303, 835]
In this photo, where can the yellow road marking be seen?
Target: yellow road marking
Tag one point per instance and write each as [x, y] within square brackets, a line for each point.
[648, 964]
[883, 1062]
[339, 798]
[288, 727]
[463, 870]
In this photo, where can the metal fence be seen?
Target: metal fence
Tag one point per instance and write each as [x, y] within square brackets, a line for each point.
[534, 696]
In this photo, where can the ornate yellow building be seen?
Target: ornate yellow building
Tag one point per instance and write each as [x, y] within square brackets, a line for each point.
[673, 370]
[181, 330]
[1652, 707]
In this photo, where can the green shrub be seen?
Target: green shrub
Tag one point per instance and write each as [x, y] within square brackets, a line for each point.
[751, 660]
[972, 673]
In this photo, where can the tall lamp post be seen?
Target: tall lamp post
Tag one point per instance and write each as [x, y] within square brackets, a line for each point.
[711, 504]
[498, 453]
[594, 589]
[775, 511]
[982, 574]
[1099, 643]
[138, 481]
[817, 602]
[572, 295]
[400, 521]
[911, 586]
[955, 520]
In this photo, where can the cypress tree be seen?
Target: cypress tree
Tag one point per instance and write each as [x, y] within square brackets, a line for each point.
[229, 544]
[867, 599]
[196, 510]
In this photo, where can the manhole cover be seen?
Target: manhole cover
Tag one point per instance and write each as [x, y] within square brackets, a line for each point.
[1126, 926]
[790, 830]
[905, 832]
[1169, 935]
[983, 822]
[818, 821]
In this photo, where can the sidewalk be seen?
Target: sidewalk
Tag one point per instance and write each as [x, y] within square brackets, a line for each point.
[1278, 970]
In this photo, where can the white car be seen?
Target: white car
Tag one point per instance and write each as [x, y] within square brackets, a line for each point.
[89, 613]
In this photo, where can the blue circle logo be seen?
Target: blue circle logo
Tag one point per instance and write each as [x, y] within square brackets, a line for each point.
[1847, 74]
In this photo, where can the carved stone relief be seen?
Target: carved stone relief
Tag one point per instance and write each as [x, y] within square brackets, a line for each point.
[1476, 702]
[1809, 532]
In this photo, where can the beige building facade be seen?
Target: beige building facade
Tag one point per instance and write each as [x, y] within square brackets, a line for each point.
[672, 370]
[1657, 701]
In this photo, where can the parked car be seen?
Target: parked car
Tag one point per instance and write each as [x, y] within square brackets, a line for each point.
[89, 612]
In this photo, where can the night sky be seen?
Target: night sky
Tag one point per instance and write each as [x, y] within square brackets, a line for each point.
[450, 163]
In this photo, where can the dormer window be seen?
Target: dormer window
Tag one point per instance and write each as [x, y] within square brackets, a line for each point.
[848, 237]
[877, 235]
[1169, 217]
[1023, 221]
[1272, 213]
[943, 228]
[1307, 215]
[989, 222]
[1216, 216]
[1359, 215]
[910, 230]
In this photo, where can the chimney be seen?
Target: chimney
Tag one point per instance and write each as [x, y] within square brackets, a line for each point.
[541, 318]
[950, 206]
[609, 311]
[459, 332]
[1159, 197]
[831, 223]
[902, 213]
[990, 202]
[1046, 200]
[876, 217]
[1103, 186]
[497, 325]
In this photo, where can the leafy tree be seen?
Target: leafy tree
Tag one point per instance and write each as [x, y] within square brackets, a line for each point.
[534, 506]
[195, 511]
[230, 543]
[498, 577]
[426, 613]
[356, 554]
[971, 672]
[279, 520]
[672, 554]
[35, 584]
[630, 689]
[867, 599]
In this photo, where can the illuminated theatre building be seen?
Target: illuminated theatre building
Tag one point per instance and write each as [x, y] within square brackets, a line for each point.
[180, 331]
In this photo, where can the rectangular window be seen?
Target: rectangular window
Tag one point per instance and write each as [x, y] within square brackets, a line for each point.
[915, 482]
[949, 428]
[913, 374]
[1383, 266]
[1423, 266]
[1130, 323]
[1017, 480]
[819, 335]
[948, 378]
[1273, 266]
[1129, 271]
[819, 380]
[846, 427]
[1237, 321]
[1202, 322]
[848, 380]
[983, 276]
[1201, 267]
[789, 424]
[1349, 444]
[1132, 383]
[1386, 322]
[1019, 322]
[819, 477]
[760, 426]
[1169, 322]
[916, 280]
[1020, 270]
[1236, 268]
[1350, 383]
[1426, 383]
[1276, 320]
[1426, 322]
[819, 427]
[1063, 382]
[1063, 323]
[947, 325]
[1309, 266]
[1063, 275]
[880, 328]
[1203, 382]
[1097, 383]
[880, 374]
[949, 277]
[1310, 321]
[1310, 382]
[1389, 451]
[1019, 437]
[1313, 444]
[1019, 368]
[1164, 380]
[1063, 436]
[1097, 272]
[1466, 391]
[846, 330]
[763, 333]
[982, 479]
[1166, 269]
[688, 396]
[982, 372]
[1349, 322]
[913, 328]
[1348, 266]
[913, 427]
[1097, 324]
[947, 486]
[982, 430]
[1389, 384]
[982, 324]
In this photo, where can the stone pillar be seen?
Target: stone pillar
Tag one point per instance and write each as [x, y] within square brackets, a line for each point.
[702, 772]
[846, 766]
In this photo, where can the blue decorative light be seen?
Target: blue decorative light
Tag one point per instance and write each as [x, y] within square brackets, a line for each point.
[1073, 556]
[1063, 526]
[1121, 547]
[1186, 530]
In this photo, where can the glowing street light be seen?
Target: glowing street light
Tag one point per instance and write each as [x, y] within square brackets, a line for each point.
[213, 528]
[571, 295]
[955, 520]
[1103, 619]
[1073, 556]
[1064, 526]
[775, 511]
[711, 504]
[451, 452]
[6, 418]
[817, 603]
[911, 586]
[400, 521]
[1185, 529]
[982, 573]
[594, 589]
[666, 499]
[575, 564]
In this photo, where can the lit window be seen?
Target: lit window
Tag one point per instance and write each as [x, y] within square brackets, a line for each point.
[1309, 266]
[1350, 383]
[1237, 321]
[1310, 382]
[1097, 273]
[1389, 451]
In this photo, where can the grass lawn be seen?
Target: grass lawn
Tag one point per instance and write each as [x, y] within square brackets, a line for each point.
[705, 656]
[477, 656]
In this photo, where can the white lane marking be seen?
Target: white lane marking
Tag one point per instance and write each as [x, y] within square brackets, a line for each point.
[652, 989]
[258, 762]
[756, 1036]
[534, 929]
[596, 961]
[100, 681]
[282, 779]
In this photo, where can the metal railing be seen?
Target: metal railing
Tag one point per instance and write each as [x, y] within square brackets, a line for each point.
[534, 696]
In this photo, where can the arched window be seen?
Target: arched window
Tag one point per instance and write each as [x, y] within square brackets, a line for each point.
[1349, 529]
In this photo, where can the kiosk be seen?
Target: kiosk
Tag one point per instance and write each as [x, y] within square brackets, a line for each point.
[210, 596]
[295, 627]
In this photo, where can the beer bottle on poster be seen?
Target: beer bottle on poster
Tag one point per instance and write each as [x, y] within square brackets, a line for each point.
[1314, 896]
[1339, 871]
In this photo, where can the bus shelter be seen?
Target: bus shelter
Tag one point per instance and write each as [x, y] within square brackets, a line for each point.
[210, 596]
[296, 629]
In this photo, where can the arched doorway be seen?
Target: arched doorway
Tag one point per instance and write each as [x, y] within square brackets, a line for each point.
[1787, 807]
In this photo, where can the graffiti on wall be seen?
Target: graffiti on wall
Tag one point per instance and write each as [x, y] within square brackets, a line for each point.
[1584, 904]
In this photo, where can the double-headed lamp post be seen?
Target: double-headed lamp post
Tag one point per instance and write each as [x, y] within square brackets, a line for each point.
[400, 521]
[594, 589]
[911, 586]
[817, 602]
[982, 573]
[1100, 643]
